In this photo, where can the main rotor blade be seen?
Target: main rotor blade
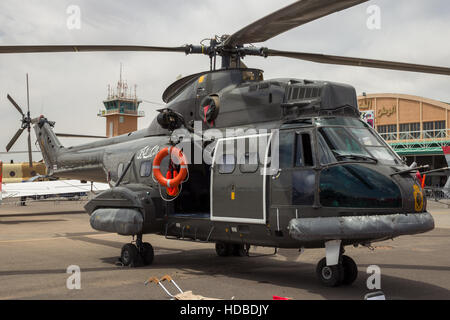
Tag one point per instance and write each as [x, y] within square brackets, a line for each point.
[359, 62]
[15, 105]
[30, 157]
[14, 139]
[287, 18]
[85, 48]
[28, 98]
[69, 135]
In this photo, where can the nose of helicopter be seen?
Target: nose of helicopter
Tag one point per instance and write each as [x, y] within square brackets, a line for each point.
[413, 195]
[409, 216]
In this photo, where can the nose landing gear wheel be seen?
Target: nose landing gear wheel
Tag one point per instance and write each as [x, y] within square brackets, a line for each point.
[331, 276]
[129, 255]
[350, 270]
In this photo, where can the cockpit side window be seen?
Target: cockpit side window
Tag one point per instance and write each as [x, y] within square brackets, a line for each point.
[286, 150]
[303, 154]
[325, 154]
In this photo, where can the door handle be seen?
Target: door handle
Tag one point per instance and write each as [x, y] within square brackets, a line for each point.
[277, 175]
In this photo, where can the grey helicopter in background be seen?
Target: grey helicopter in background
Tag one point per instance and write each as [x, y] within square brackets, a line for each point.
[321, 178]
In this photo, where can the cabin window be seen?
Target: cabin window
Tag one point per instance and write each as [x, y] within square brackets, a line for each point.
[227, 163]
[146, 168]
[303, 154]
[249, 162]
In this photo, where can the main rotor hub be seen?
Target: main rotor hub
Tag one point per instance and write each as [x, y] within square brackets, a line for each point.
[217, 47]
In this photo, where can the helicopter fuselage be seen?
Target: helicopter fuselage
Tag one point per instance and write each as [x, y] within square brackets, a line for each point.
[335, 176]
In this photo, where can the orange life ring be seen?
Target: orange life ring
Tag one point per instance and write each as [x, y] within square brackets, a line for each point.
[174, 190]
[176, 181]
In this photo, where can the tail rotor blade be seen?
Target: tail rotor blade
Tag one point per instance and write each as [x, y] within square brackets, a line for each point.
[30, 158]
[15, 105]
[14, 139]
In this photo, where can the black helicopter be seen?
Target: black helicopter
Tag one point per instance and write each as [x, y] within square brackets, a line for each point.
[318, 178]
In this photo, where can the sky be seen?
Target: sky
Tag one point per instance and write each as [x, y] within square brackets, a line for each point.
[69, 87]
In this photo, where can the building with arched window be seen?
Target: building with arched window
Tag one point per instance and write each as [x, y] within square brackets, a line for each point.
[415, 127]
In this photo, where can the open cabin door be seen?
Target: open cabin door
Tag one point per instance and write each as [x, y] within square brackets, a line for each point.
[238, 180]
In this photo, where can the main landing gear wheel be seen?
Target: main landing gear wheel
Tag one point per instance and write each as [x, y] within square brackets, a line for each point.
[223, 249]
[331, 276]
[137, 255]
[129, 255]
[239, 250]
[231, 249]
[350, 270]
[147, 253]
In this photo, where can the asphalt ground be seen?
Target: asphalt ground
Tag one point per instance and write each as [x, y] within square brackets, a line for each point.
[40, 241]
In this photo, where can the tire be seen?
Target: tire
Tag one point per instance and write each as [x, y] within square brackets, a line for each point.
[223, 249]
[350, 270]
[129, 255]
[148, 253]
[330, 276]
[238, 250]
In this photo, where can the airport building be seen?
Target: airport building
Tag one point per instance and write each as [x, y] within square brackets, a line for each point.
[415, 127]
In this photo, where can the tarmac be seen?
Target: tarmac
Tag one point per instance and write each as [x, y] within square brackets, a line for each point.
[38, 242]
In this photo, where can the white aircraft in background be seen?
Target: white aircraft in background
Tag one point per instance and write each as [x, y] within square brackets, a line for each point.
[438, 192]
[45, 189]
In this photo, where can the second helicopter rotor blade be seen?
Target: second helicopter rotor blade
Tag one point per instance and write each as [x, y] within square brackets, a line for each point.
[359, 62]
[30, 157]
[85, 48]
[14, 139]
[287, 18]
[15, 105]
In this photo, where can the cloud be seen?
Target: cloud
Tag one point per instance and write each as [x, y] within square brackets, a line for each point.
[69, 88]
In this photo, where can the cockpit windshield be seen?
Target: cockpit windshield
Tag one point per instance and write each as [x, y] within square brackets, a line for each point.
[351, 141]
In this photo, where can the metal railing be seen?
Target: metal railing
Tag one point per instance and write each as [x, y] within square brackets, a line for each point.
[139, 113]
[426, 135]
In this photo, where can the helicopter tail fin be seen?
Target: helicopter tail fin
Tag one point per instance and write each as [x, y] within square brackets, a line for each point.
[49, 143]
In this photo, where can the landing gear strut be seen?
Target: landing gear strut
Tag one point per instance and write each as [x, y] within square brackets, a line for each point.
[336, 268]
[140, 253]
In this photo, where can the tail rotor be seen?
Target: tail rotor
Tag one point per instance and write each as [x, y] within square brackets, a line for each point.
[26, 124]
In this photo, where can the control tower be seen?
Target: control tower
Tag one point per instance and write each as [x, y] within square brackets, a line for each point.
[121, 109]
